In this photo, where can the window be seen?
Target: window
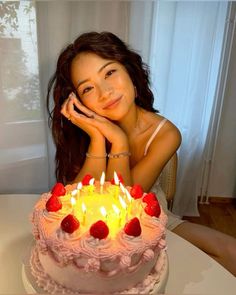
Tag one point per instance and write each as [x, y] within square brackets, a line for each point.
[23, 163]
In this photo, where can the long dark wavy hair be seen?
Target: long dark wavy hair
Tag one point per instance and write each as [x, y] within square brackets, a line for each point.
[72, 142]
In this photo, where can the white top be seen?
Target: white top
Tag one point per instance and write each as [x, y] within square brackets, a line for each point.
[163, 121]
[173, 220]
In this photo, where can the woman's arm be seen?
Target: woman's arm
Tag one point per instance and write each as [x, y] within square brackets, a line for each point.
[99, 129]
[95, 162]
[119, 161]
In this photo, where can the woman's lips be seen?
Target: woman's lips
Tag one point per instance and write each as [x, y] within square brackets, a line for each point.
[112, 103]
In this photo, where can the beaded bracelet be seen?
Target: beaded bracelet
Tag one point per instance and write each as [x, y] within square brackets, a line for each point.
[119, 155]
[95, 157]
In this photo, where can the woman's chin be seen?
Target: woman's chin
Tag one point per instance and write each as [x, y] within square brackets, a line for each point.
[114, 117]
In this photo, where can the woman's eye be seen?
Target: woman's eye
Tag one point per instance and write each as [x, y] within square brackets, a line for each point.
[86, 90]
[109, 73]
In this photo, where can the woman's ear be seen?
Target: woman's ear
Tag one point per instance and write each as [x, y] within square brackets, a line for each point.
[135, 91]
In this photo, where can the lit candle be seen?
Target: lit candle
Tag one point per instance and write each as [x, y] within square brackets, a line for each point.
[122, 202]
[124, 206]
[116, 178]
[89, 189]
[115, 189]
[91, 186]
[102, 180]
[104, 212]
[73, 202]
[130, 200]
[122, 188]
[79, 187]
[84, 213]
[117, 211]
[74, 193]
[91, 181]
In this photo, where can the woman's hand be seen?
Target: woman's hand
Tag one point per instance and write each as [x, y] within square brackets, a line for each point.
[92, 123]
[68, 110]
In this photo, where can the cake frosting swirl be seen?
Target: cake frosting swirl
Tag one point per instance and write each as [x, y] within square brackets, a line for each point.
[85, 260]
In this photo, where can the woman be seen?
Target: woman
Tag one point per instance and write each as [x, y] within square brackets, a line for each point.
[103, 120]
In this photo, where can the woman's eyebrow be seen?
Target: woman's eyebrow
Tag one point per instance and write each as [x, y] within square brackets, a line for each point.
[106, 64]
[81, 82]
[102, 68]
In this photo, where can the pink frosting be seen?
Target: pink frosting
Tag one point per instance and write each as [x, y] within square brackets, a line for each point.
[92, 265]
[108, 257]
[148, 255]
[152, 281]
[125, 262]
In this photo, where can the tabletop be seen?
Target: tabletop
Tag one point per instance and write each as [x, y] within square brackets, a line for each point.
[191, 271]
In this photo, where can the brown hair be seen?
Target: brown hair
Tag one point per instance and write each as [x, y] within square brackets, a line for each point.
[72, 142]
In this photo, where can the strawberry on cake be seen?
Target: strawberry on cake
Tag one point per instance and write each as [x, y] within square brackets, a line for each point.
[99, 237]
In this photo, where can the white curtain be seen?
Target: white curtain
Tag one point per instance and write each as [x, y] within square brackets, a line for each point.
[23, 149]
[181, 41]
[187, 42]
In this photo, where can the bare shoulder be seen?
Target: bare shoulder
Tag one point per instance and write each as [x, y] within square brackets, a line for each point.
[171, 131]
[167, 130]
[159, 148]
[165, 142]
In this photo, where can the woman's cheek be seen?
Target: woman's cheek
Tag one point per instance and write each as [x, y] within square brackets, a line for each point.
[92, 107]
[85, 102]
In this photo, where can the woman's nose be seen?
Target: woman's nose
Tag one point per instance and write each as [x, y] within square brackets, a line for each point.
[105, 90]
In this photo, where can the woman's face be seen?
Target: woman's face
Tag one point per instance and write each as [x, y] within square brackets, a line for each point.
[103, 85]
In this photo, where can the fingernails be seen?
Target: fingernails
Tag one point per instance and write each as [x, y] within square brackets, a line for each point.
[72, 94]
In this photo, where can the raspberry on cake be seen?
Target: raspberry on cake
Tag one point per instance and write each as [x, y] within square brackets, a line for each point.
[101, 237]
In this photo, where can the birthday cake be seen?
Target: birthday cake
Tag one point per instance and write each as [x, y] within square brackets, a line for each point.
[98, 237]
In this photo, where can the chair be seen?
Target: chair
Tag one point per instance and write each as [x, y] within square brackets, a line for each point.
[168, 180]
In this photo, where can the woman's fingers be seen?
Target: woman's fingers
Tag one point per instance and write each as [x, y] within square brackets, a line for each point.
[82, 108]
[88, 120]
[65, 108]
[68, 107]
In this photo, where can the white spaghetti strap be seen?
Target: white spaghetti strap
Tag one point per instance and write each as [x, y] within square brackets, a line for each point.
[154, 134]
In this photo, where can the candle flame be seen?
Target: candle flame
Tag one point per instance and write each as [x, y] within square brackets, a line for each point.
[102, 179]
[83, 207]
[91, 181]
[74, 192]
[123, 204]
[73, 201]
[116, 209]
[79, 185]
[116, 178]
[103, 211]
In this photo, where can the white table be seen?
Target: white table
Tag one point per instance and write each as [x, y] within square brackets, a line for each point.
[190, 270]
